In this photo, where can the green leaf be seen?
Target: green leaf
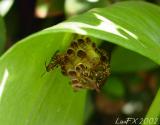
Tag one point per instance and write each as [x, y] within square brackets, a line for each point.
[124, 60]
[28, 98]
[139, 32]
[2, 35]
[154, 112]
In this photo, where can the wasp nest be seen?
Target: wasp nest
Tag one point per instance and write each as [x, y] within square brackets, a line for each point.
[84, 63]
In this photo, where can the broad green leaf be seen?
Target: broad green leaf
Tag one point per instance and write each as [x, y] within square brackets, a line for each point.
[139, 32]
[124, 60]
[28, 98]
[2, 35]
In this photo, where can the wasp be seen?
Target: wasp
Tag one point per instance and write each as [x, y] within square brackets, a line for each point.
[84, 63]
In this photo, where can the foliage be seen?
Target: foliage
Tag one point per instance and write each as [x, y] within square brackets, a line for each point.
[27, 97]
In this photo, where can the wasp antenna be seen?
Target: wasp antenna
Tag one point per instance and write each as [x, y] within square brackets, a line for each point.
[54, 55]
[45, 68]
